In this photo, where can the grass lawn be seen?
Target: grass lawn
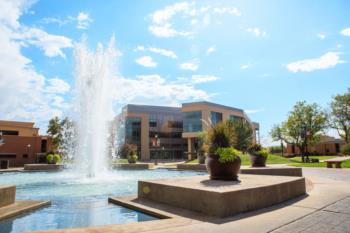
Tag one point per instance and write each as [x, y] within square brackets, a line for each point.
[296, 162]
[119, 161]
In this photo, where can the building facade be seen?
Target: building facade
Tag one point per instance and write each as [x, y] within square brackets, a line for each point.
[326, 146]
[171, 132]
[21, 143]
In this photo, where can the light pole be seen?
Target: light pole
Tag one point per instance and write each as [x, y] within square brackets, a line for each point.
[28, 148]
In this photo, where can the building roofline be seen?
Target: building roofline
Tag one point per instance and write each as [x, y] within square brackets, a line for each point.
[214, 104]
[150, 108]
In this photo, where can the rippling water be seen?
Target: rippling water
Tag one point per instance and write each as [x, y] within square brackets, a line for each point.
[78, 201]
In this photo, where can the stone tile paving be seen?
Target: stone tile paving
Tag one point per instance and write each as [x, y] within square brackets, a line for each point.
[332, 219]
[328, 173]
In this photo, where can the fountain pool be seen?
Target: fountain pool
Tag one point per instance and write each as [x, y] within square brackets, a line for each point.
[78, 201]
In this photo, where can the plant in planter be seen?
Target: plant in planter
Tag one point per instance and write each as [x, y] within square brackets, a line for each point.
[258, 155]
[202, 147]
[132, 157]
[223, 161]
[53, 158]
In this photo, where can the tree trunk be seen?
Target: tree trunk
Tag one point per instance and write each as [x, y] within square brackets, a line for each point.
[282, 148]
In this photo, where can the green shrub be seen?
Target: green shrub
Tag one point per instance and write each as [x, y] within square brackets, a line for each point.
[53, 158]
[220, 135]
[345, 149]
[126, 150]
[227, 154]
[258, 150]
[132, 158]
[262, 153]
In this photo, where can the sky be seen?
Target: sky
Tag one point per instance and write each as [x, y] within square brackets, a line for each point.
[260, 56]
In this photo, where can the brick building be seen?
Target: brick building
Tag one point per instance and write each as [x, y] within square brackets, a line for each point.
[22, 144]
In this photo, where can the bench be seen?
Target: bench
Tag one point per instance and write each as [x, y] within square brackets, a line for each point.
[336, 161]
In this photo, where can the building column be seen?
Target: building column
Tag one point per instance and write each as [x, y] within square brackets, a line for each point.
[190, 147]
[145, 153]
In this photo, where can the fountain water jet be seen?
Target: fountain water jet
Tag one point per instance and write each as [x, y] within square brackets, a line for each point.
[95, 74]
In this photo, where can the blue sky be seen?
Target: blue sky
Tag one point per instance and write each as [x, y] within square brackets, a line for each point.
[261, 56]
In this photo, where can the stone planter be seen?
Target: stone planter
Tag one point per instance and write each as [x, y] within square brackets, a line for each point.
[131, 161]
[222, 171]
[257, 161]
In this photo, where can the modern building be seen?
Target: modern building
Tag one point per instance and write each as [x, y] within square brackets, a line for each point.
[21, 143]
[326, 146]
[172, 132]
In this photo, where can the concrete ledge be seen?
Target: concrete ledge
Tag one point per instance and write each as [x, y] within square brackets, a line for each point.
[20, 207]
[125, 202]
[135, 166]
[222, 198]
[42, 167]
[274, 171]
[193, 167]
[7, 195]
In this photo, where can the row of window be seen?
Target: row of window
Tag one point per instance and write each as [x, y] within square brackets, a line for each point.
[192, 122]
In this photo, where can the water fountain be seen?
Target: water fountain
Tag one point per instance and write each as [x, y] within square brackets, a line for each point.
[95, 73]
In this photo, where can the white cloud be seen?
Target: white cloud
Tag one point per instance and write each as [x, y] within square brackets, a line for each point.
[51, 44]
[345, 31]
[326, 61]
[164, 52]
[154, 89]
[227, 10]
[244, 66]
[84, 20]
[203, 78]
[162, 21]
[146, 61]
[189, 66]
[321, 36]
[167, 31]
[252, 111]
[23, 93]
[58, 86]
[211, 49]
[257, 32]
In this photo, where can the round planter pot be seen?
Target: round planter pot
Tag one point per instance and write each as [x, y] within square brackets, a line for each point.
[257, 161]
[131, 161]
[222, 171]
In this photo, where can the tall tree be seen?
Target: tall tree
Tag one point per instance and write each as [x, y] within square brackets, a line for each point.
[340, 115]
[54, 130]
[304, 125]
[243, 134]
[277, 135]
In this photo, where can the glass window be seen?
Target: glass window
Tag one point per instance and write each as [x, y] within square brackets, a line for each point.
[133, 130]
[152, 123]
[192, 121]
[215, 117]
[175, 124]
[234, 118]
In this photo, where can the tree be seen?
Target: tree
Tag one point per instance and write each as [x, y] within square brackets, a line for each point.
[68, 141]
[243, 134]
[340, 115]
[54, 130]
[304, 125]
[277, 135]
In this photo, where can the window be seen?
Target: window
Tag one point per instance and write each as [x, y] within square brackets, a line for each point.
[175, 124]
[234, 118]
[152, 122]
[8, 132]
[192, 121]
[7, 155]
[43, 146]
[215, 117]
[25, 156]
